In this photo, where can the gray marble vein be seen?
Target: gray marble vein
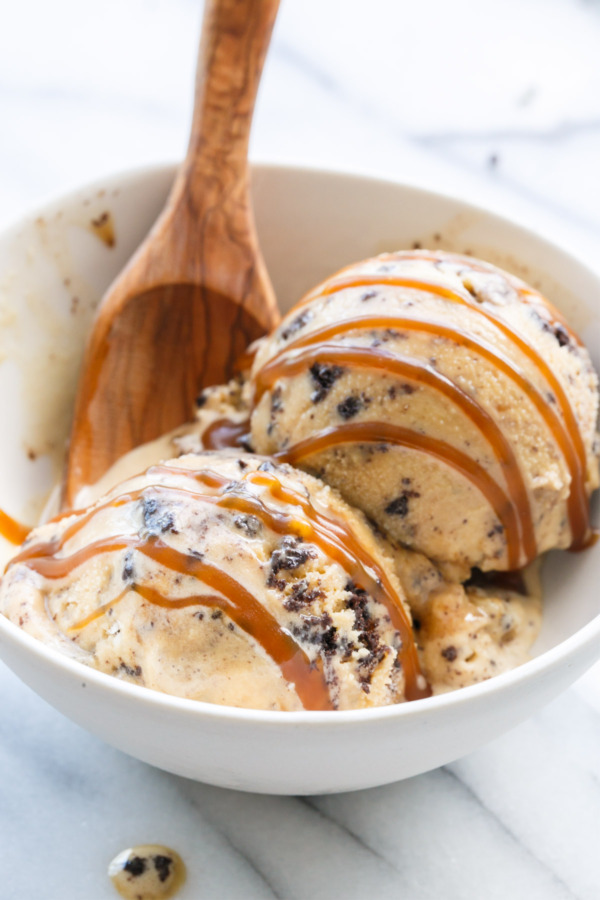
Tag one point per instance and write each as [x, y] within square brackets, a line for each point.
[559, 131]
[438, 835]
[300, 852]
[542, 798]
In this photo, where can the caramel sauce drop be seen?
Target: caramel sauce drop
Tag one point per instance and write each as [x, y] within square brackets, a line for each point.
[12, 530]
[224, 434]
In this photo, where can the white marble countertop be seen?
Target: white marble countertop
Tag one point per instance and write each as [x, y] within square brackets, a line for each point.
[498, 102]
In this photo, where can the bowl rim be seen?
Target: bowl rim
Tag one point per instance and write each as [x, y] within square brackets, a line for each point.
[583, 639]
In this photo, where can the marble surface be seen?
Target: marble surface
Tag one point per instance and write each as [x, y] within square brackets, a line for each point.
[495, 102]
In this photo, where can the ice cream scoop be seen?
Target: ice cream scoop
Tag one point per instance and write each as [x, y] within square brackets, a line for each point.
[446, 399]
[224, 578]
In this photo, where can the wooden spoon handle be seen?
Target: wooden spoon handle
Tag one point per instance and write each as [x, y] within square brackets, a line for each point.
[208, 227]
[197, 292]
[233, 46]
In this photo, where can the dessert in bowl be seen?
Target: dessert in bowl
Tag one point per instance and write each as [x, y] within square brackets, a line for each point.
[322, 750]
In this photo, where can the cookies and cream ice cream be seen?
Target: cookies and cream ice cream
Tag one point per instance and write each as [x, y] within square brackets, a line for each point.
[223, 577]
[454, 411]
[444, 398]
[227, 578]
[467, 633]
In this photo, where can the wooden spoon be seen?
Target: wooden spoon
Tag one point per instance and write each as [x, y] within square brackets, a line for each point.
[196, 293]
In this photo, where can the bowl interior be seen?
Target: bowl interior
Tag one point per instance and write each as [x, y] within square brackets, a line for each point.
[54, 268]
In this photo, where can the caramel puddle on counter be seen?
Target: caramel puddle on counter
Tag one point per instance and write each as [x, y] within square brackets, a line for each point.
[147, 872]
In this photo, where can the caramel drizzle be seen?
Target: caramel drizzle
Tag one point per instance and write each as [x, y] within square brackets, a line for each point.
[527, 293]
[339, 542]
[567, 435]
[577, 501]
[156, 598]
[244, 361]
[12, 530]
[333, 537]
[245, 610]
[383, 432]
[375, 279]
[366, 357]
[224, 434]
[238, 603]
[330, 534]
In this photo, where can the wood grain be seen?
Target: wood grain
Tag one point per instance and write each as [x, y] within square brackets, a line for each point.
[197, 291]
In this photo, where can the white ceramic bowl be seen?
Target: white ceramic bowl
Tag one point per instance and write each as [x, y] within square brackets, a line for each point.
[54, 267]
